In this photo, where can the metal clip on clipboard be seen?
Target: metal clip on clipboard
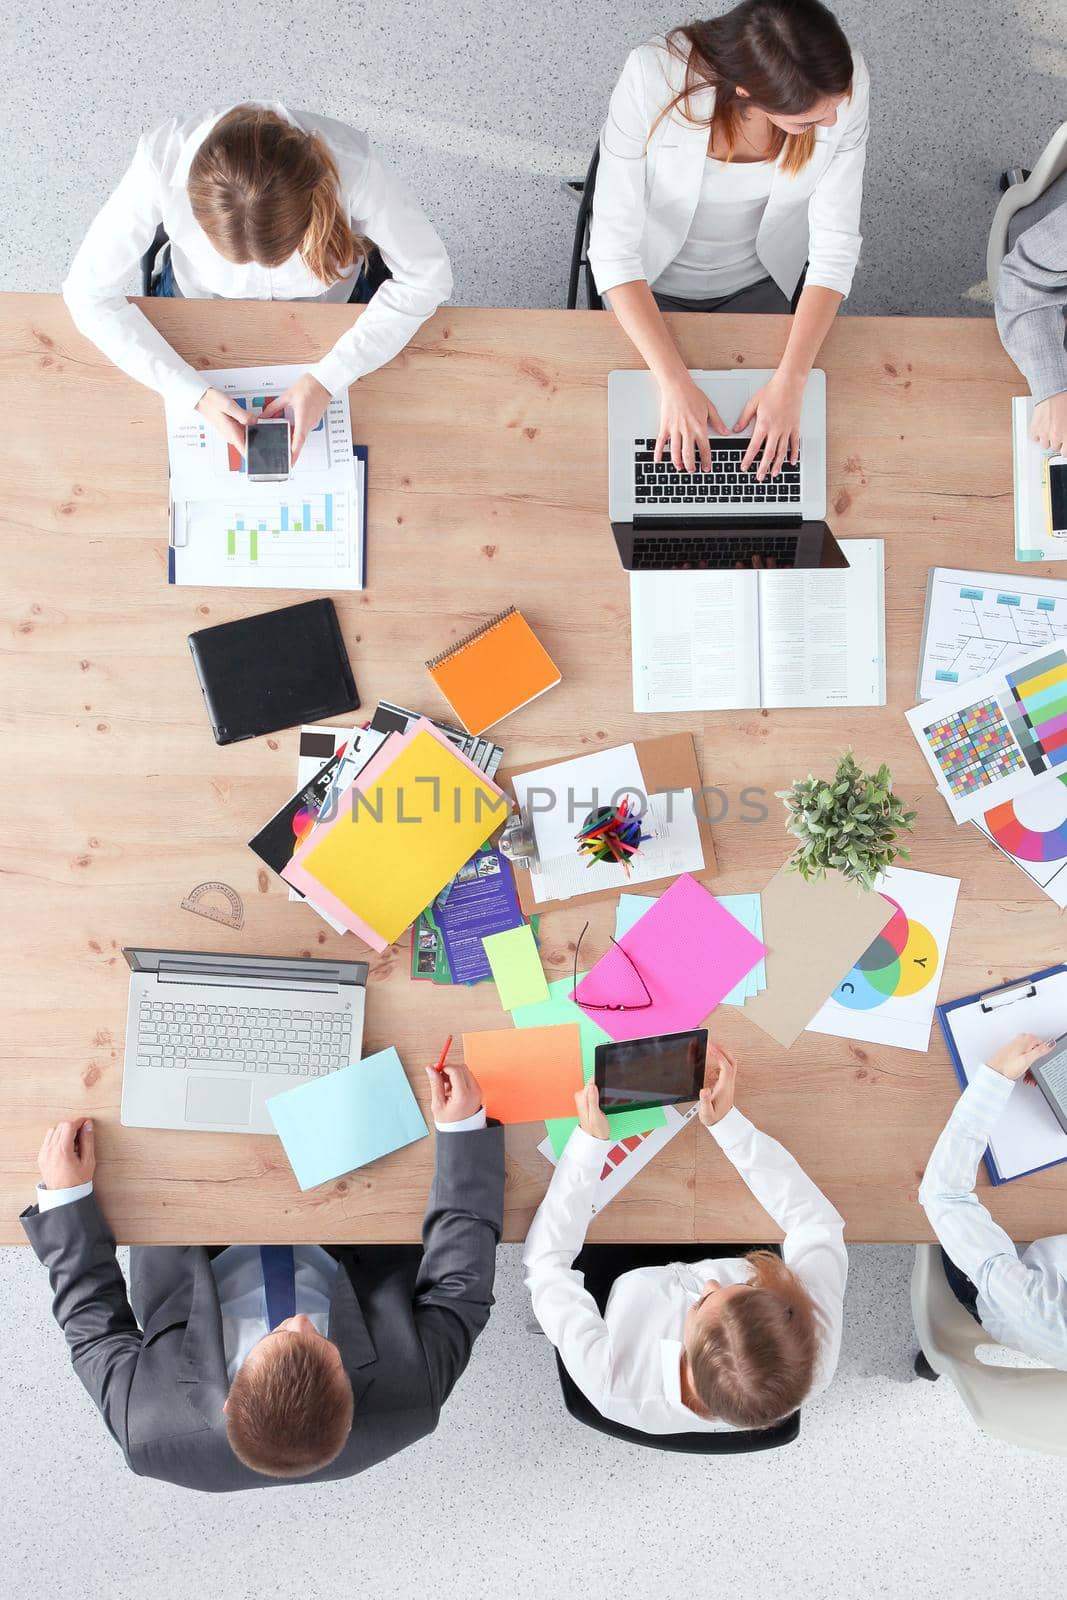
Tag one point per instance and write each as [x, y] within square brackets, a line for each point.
[996, 999]
[519, 843]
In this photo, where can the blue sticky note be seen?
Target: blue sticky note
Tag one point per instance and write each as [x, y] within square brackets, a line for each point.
[334, 1124]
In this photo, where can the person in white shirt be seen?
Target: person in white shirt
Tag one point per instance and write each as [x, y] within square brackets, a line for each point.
[732, 155]
[739, 1342]
[257, 1364]
[259, 203]
[1019, 1297]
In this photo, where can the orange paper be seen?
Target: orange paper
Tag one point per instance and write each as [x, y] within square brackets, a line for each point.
[527, 1074]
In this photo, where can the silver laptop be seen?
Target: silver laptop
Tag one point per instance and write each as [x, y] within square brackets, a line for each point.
[664, 519]
[209, 1038]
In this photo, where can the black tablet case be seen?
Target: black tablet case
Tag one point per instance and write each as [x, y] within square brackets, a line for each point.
[274, 670]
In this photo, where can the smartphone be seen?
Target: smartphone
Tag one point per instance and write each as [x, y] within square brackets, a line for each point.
[267, 450]
[1056, 495]
[661, 1071]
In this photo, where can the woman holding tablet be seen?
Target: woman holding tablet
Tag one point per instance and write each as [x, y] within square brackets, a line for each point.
[260, 203]
[732, 155]
[734, 1343]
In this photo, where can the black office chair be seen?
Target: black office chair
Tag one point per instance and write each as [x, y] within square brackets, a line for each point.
[601, 1264]
[376, 274]
[580, 271]
[583, 189]
[149, 274]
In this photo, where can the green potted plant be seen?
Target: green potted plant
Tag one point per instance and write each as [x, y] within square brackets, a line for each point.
[850, 825]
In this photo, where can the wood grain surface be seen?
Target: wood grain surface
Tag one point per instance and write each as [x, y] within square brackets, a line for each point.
[487, 441]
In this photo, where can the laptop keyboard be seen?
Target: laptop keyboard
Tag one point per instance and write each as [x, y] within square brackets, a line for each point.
[657, 483]
[242, 1039]
[670, 552]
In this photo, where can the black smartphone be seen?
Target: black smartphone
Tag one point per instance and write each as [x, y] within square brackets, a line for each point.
[267, 456]
[1056, 484]
[662, 1071]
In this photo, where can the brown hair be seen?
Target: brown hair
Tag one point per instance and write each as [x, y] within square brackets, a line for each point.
[262, 188]
[289, 1410]
[752, 1363]
[788, 55]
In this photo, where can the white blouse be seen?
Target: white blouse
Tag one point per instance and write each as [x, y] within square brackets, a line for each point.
[153, 191]
[719, 256]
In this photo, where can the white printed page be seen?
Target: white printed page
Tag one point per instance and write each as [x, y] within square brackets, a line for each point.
[674, 846]
[695, 641]
[204, 467]
[978, 621]
[822, 632]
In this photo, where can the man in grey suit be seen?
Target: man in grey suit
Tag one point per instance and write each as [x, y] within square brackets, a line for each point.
[253, 1365]
[1031, 299]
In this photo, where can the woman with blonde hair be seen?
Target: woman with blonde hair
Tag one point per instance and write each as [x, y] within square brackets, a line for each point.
[259, 203]
[737, 1342]
[732, 158]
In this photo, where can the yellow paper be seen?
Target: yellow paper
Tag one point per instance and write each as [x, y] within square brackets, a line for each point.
[409, 836]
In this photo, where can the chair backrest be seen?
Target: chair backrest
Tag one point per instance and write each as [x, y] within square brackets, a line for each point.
[1024, 1406]
[580, 268]
[1049, 165]
[602, 1264]
[148, 260]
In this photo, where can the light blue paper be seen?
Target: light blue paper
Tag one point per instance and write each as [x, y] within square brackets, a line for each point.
[630, 909]
[747, 908]
[334, 1124]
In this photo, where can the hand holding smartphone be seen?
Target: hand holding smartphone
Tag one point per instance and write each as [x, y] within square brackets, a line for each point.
[268, 450]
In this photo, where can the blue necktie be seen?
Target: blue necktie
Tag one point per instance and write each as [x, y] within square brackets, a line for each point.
[279, 1282]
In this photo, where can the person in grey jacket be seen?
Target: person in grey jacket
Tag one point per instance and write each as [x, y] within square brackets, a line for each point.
[1031, 300]
[250, 1365]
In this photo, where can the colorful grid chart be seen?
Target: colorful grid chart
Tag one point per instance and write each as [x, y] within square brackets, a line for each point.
[1038, 711]
[974, 747]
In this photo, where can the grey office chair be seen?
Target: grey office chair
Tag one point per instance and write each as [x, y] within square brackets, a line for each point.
[601, 1264]
[1021, 188]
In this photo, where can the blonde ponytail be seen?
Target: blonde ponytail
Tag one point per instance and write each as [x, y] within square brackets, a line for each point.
[262, 190]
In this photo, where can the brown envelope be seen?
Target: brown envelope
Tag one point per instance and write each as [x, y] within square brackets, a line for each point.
[667, 763]
[814, 933]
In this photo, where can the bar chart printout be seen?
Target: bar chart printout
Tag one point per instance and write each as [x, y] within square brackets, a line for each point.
[280, 544]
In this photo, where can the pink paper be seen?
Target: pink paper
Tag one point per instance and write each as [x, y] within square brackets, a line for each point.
[295, 872]
[690, 952]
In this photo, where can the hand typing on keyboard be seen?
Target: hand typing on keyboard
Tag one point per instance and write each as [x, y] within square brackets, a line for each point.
[773, 413]
[685, 414]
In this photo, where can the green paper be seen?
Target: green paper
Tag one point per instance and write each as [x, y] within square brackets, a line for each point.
[516, 967]
[559, 1008]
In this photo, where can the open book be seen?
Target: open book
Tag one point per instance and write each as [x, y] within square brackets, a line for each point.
[731, 641]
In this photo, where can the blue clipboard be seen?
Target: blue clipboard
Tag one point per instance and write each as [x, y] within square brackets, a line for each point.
[1003, 995]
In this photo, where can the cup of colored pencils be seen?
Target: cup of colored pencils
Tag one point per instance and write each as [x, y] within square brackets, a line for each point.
[612, 834]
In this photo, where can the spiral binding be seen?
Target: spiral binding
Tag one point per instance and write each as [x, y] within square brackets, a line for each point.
[472, 638]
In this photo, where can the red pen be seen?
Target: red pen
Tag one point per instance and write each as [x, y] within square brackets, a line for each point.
[440, 1067]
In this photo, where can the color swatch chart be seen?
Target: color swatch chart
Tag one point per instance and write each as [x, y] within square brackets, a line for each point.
[973, 747]
[1038, 711]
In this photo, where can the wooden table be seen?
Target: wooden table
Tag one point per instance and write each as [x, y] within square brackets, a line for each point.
[487, 447]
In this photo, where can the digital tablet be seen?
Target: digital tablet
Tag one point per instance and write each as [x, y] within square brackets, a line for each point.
[275, 670]
[651, 1072]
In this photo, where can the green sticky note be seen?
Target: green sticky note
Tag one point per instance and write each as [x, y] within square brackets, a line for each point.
[516, 967]
[560, 1008]
[621, 1123]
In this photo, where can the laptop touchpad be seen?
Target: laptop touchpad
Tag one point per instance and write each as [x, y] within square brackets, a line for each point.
[224, 1100]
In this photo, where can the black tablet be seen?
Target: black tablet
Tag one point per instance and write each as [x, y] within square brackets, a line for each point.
[274, 670]
[651, 1072]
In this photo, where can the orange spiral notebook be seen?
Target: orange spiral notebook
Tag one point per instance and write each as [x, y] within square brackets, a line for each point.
[494, 671]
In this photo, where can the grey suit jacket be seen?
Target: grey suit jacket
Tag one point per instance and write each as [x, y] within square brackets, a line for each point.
[404, 1323]
[1032, 292]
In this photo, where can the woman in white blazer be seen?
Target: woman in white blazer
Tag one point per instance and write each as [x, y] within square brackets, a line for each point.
[732, 155]
[260, 203]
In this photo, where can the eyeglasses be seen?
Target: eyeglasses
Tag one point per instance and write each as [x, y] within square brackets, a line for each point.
[586, 1005]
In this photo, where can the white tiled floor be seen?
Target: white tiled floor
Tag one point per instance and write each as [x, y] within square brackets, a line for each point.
[890, 1491]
